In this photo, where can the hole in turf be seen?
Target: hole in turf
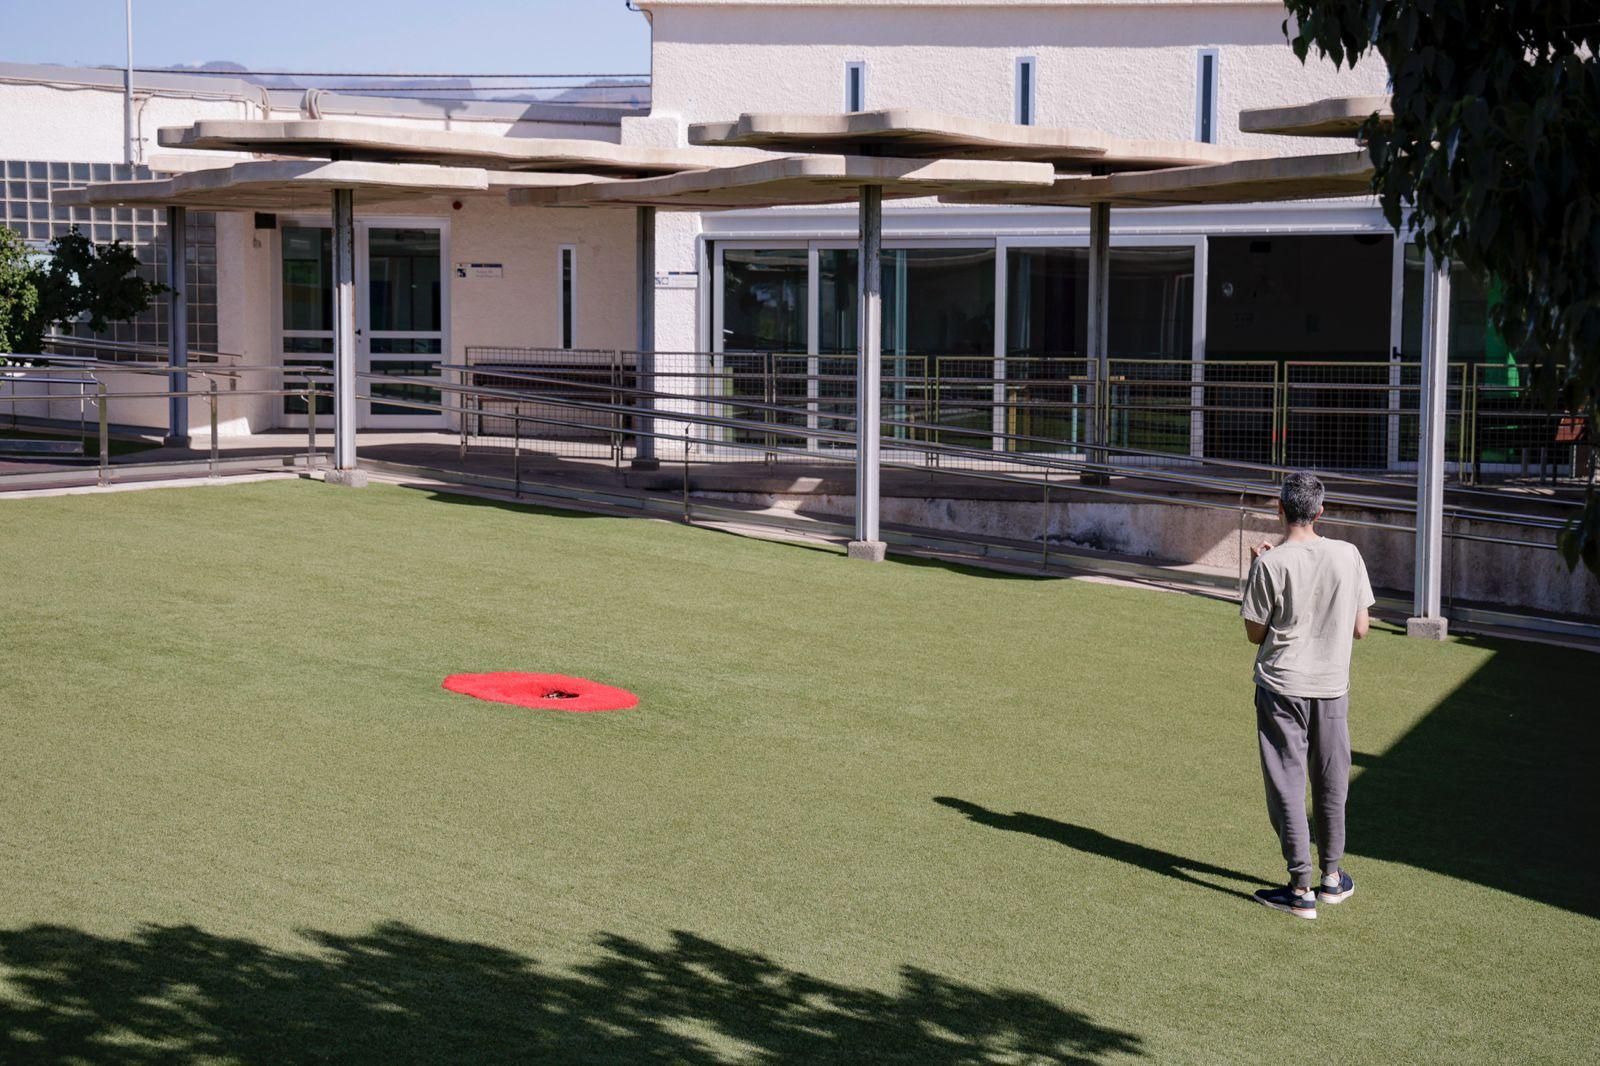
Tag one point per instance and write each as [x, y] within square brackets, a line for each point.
[558, 694]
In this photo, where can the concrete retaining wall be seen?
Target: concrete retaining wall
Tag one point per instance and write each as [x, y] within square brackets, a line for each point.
[1490, 573]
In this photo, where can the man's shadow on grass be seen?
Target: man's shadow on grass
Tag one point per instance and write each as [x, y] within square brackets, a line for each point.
[178, 994]
[1095, 842]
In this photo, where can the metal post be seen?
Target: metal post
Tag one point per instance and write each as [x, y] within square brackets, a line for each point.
[516, 450]
[214, 446]
[105, 432]
[644, 442]
[344, 341]
[1427, 621]
[1044, 538]
[178, 325]
[869, 376]
[1099, 333]
[311, 427]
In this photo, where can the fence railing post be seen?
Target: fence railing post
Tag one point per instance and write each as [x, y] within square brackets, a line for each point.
[214, 444]
[311, 426]
[1044, 537]
[516, 450]
[105, 433]
[461, 411]
[686, 515]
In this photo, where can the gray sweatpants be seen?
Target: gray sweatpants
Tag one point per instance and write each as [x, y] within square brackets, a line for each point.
[1291, 729]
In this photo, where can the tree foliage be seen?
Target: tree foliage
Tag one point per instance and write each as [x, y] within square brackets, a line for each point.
[79, 281]
[19, 295]
[1493, 159]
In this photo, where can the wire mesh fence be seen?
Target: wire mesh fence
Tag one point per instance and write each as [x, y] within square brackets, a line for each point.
[1349, 416]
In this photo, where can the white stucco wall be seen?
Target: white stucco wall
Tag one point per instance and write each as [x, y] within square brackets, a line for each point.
[83, 124]
[1124, 68]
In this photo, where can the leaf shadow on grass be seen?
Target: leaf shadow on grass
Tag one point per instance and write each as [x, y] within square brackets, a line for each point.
[1495, 785]
[177, 994]
[467, 499]
[1095, 842]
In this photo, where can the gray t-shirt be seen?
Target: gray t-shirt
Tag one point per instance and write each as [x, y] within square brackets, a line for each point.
[1307, 594]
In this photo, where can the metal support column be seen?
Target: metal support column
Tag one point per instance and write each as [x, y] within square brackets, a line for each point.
[1099, 333]
[644, 441]
[178, 325]
[869, 376]
[1428, 621]
[344, 341]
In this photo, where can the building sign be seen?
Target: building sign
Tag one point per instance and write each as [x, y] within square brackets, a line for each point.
[677, 279]
[480, 270]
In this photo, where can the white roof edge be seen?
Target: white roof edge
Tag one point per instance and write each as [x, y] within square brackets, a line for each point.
[286, 172]
[279, 137]
[1333, 116]
[802, 169]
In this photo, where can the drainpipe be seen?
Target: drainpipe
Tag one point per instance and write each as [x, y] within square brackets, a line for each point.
[127, 87]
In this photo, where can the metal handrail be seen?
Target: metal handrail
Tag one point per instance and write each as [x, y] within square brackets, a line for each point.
[845, 416]
[1037, 463]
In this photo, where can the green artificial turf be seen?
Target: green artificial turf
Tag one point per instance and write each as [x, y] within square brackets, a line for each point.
[895, 813]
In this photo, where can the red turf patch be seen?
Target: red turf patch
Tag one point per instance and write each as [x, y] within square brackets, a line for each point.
[551, 692]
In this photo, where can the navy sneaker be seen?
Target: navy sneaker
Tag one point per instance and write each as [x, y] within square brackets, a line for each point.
[1288, 900]
[1338, 893]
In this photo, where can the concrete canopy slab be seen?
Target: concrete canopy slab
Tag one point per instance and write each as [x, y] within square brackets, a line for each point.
[908, 133]
[279, 184]
[1338, 116]
[795, 180]
[384, 143]
[1249, 182]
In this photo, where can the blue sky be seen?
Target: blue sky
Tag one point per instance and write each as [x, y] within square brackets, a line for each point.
[488, 36]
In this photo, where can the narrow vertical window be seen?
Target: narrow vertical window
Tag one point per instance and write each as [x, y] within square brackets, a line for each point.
[855, 87]
[1025, 84]
[1205, 124]
[569, 293]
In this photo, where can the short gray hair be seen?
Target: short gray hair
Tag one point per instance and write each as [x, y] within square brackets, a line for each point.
[1302, 498]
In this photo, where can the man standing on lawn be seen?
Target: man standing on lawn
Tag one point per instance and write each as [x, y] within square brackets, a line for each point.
[1305, 602]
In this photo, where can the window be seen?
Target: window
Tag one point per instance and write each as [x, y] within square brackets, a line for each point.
[569, 293]
[855, 87]
[1205, 123]
[1025, 85]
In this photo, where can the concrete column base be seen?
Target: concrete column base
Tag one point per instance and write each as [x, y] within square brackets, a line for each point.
[175, 442]
[1428, 628]
[350, 479]
[869, 551]
[645, 464]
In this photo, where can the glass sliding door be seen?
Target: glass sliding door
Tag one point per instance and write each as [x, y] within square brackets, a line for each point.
[938, 342]
[306, 295]
[1151, 388]
[838, 278]
[401, 312]
[405, 323]
[760, 355]
[1150, 340]
[938, 336]
[1048, 394]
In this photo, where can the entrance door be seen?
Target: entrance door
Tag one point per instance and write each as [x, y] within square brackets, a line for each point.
[401, 304]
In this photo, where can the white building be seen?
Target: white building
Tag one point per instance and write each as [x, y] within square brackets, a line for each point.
[1315, 280]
